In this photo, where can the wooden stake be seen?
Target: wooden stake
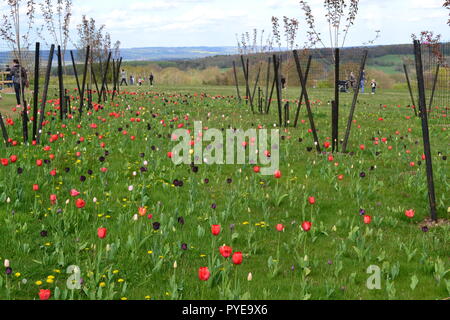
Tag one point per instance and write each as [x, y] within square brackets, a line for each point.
[276, 65]
[355, 100]
[335, 111]
[61, 85]
[86, 66]
[103, 89]
[434, 87]
[75, 71]
[44, 95]
[308, 104]
[410, 89]
[425, 131]
[302, 94]
[236, 81]
[36, 88]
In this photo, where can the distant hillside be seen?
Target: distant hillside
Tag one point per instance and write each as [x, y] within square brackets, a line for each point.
[175, 53]
[387, 58]
[149, 54]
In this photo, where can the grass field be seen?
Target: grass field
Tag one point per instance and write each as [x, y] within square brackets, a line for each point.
[119, 165]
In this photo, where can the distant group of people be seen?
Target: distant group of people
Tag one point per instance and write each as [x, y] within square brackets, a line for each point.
[17, 77]
[362, 85]
[347, 84]
[132, 81]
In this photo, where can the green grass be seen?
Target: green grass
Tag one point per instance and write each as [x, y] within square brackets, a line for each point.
[330, 262]
[390, 64]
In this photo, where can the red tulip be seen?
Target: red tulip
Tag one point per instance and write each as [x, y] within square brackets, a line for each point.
[277, 174]
[13, 158]
[327, 145]
[306, 226]
[312, 200]
[410, 213]
[367, 219]
[53, 198]
[362, 147]
[237, 258]
[170, 155]
[204, 274]
[256, 169]
[35, 187]
[44, 294]
[225, 251]
[280, 227]
[80, 203]
[5, 162]
[215, 230]
[101, 233]
[39, 163]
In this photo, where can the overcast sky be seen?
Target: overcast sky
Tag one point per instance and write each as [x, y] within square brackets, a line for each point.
[147, 23]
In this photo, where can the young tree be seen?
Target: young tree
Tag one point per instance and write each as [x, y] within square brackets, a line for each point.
[335, 15]
[90, 35]
[57, 16]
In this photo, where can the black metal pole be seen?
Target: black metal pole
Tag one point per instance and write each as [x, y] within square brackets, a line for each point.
[36, 88]
[271, 95]
[4, 131]
[308, 104]
[75, 71]
[86, 66]
[117, 84]
[236, 81]
[114, 77]
[335, 111]
[308, 66]
[425, 131]
[276, 65]
[434, 87]
[267, 83]
[256, 83]
[44, 95]
[61, 85]
[355, 100]
[410, 89]
[117, 75]
[104, 77]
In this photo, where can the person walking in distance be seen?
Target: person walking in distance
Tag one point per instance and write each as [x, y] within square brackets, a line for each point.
[151, 78]
[352, 80]
[363, 81]
[374, 85]
[124, 78]
[20, 81]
